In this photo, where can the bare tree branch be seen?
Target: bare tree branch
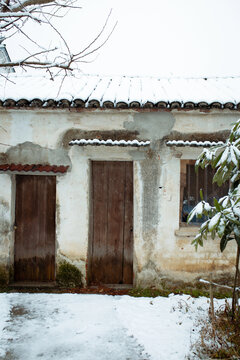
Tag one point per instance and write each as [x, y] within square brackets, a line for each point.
[37, 65]
[15, 13]
[25, 3]
[39, 53]
[81, 54]
[98, 36]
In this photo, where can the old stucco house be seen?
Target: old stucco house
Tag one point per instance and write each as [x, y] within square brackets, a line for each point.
[99, 171]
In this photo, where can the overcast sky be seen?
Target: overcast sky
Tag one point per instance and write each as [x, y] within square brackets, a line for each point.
[160, 38]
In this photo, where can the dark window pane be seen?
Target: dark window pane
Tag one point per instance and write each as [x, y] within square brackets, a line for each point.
[192, 182]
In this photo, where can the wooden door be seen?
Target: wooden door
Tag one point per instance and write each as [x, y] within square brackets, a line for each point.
[35, 228]
[111, 246]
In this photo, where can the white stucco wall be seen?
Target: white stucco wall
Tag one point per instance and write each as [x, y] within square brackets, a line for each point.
[72, 211]
[6, 219]
[162, 250]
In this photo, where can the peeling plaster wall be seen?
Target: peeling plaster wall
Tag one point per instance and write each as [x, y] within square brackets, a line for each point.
[196, 121]
[162, 250]
[73, 215]
[6, 221]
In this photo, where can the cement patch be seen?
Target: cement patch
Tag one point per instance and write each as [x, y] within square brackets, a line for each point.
[151, 126]
[30, 153]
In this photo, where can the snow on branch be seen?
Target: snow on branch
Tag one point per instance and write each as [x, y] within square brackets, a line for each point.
[15, 13]
[213, 283]
[20, 5]
[37, 65]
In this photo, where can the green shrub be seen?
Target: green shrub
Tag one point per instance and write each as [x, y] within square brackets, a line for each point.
[68, 275]
[138, 292]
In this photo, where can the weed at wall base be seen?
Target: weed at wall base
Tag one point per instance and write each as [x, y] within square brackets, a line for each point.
[68, 275]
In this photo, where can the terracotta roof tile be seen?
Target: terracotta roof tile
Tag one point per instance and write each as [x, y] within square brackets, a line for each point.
[4, 167]
[34, 167]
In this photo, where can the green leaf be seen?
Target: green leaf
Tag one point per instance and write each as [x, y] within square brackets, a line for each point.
[204, 226]
[213, 234]
[237, 240]
[222, 174]
[223, 243]
[213, 223]
[197, 241]
[231, 137]
[216, 204]
[204, 235]
[216, 160]
[201, 194]
[232, 220]
[222, 226]
[218, 176]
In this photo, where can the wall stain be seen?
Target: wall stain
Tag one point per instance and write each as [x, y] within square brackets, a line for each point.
[5, 227]
[198, 136]
[72, 134]
[30, 153]
[151, 126]
[150, 174]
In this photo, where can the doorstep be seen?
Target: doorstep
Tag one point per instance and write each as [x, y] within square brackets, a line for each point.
[32, 284]
[113, 286]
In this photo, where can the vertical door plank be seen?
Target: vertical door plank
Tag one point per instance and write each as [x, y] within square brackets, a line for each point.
[114, 261]
[46, 239]
[99, 208]
[128, 226]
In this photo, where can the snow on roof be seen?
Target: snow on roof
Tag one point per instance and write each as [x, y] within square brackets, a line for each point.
[193, 143]
[93, 91]
[109, 142]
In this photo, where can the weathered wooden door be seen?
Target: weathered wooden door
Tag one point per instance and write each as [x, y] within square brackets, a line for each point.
[35, 228]
[111, 245]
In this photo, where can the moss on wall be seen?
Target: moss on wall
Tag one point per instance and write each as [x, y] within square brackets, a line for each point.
[4, 275]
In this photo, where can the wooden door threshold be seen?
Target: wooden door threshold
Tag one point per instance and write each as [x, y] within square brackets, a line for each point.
[113, 286]
[33, 284]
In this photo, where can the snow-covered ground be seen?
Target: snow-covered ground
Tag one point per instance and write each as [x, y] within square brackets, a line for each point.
[101, 327]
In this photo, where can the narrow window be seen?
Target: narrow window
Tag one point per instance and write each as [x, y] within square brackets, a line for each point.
[191, 183]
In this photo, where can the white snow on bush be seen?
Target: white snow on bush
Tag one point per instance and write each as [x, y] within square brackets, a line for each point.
[199, 208]
[214, 221]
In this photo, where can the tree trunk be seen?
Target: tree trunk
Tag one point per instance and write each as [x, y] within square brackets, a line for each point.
[234, 296]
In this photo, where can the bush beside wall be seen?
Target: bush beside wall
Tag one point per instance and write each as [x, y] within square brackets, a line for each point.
[68, 275]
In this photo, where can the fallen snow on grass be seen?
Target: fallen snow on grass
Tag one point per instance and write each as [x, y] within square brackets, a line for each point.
[86, 327]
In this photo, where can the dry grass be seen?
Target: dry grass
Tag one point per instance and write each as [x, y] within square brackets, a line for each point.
[219, 339]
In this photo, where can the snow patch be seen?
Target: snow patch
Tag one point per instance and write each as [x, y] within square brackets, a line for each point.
[73, 326]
